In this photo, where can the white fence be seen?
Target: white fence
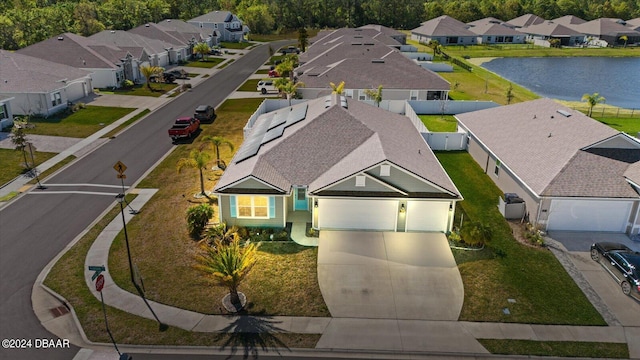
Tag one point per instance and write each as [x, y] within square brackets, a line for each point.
[448, 141]
[426, 107]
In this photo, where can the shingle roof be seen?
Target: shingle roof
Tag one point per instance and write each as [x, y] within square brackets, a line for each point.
[336, 142]
[443, 26]
[494, 29]
[77, 51]
[383, 29]
[484, 21]
[216, 16]
[346, 36]
[549, 29]
[125, 39]
[393, 71]
[533, 139]
[26, 74]
[606, 26]
[526, 20]
[155, 31]
[569, 20]
[189, 30]
[326, 53]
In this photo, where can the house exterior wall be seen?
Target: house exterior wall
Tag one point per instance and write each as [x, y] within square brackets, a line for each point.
[444, 40]
[6, 114]
[106, 78]
[38, 103]
[506, 39]
[387, 94]
[277, 221]
[78, 89]
[369, 185]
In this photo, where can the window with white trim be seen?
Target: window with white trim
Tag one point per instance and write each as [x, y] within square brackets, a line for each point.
[56, 99]
[4, 114]
[252, 206]
[497, 169]
[414, 95]
[360, 180]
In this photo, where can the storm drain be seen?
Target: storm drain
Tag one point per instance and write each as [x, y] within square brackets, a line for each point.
[59, 311]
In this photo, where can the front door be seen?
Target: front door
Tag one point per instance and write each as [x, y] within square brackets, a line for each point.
[300, 201]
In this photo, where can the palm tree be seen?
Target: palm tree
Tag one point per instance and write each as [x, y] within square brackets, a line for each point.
[148, 70]
[285, 68]
[202, 49]
[592, 100]
[218, 141]
[339, 89]
[376, 95]
[435, 45]
[625, 39]
[288, 87]
[198, 159]
[228, 264]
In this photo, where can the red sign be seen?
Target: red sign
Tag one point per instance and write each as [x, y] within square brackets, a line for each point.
[100, 283]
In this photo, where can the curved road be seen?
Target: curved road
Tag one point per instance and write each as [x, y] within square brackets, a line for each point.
[37, 226]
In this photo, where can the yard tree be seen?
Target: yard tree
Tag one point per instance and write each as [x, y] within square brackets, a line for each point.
[376, 95]
[285, 68]
[19, 138]
[228, 264]
[257, 16]
[147, 71]
[202, 49]
[624, 38]
[303, 39]
[337, 89]
[509, 94]
[198, 159]
[435, 45]
[218, 141]
[287, 87]
[592, 100]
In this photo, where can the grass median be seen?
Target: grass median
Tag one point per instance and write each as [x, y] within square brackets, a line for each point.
[557, 348]
[12, 163]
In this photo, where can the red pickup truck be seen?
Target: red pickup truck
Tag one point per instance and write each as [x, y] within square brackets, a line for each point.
[184, 127]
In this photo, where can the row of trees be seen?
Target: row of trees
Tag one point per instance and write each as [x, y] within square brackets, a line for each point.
[24, 22]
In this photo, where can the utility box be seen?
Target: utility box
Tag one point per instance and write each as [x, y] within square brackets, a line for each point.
[512, 206]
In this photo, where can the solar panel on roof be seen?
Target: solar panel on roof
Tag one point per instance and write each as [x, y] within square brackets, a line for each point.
[273, 134]
[276, 121]
[296, 115]
[251, 145]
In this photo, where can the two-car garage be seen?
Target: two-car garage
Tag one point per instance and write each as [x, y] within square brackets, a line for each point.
[589, 215]
[382, 214]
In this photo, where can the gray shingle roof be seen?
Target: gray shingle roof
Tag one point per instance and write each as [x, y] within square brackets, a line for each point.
[26, 74]
[443, 26]
[126, 39]
[185, 28]
[484, 21]
[395, 72]
[550, 29]
[335, 142]
[605, 26]
[569, 20]
[217, 16]
[323, 54]
[77, 51]
[154, 31]
[526, 20]
[532, 139]
[494, 29]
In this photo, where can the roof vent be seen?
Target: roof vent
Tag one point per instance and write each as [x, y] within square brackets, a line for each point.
[327, 102]
[60, 38]
[146, 25]
[113, 31]
[377, 61]
[168, 20]
[343, 102]
[564, 113]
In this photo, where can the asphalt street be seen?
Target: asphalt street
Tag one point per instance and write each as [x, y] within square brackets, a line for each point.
[37, 226]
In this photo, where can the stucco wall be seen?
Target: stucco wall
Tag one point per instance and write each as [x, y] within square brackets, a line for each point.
[277, 221]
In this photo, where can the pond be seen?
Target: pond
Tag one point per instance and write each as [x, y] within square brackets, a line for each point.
[617, 79]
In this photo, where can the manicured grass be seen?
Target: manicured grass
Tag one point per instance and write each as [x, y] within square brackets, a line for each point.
[126, 123]
[211, 62]
[157, 90]
[544, 292]
[164, 252]
[80, 124]
[556, 348]
[235, 45]
[249, 85]
[263, 71]
[9, 196]
[12, 163]
[274, 58]
[67, 279]
[53, 169]
[439, 123]
[630, 126]
[225, 64]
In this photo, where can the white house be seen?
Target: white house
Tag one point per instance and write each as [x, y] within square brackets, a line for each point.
[225, 25]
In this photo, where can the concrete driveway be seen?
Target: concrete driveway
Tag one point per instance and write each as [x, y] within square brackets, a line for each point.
[625, 309]
[387, 275]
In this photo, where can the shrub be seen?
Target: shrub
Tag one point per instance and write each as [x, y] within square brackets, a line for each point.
[223, 234]
[533, 234]
[197, 218]
[475, 233]
[281, 235]
[127, 84]
[454, 236]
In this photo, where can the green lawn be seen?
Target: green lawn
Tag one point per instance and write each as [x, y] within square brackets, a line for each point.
[211, 62]
[80, 124]
[630, 126]
[439, 123]
[157, 90]
[544, 292]
[249, 85]
[557, 348]
[11, 163]
[236, 45]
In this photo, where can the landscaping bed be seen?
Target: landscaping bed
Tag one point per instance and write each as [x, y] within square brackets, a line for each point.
[210, 62]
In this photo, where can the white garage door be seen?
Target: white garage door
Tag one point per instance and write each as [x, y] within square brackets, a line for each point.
[589, 215]
[427, 215]
[357, 214]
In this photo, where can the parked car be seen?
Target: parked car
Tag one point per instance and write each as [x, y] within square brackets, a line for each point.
[273, 73]
[215, 52]
[166, 78]
[205, 113]
[178, 73]
[184, 127]
[290, 50]
[622, 263]
[265, 86]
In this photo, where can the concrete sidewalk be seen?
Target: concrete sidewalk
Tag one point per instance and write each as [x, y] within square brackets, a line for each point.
[452, 338]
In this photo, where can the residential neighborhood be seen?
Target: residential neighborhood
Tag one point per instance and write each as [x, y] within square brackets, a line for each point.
[388, 198]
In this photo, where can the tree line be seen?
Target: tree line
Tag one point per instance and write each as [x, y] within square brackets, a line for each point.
[24, 22]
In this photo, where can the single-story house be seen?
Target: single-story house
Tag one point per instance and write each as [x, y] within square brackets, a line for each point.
[549, 30]
[634, 23]
[153, 51]
[569, 20]
[392, 33]
[609, 30]
[6, 115]
[525, 20]
[484, 21]
[38, 86]
[496, 33]
[109, 65]
[400, 77]
[573, 172]
[225, 25]
[446, 30]
[325, 53]
[179, 48]
[348, 165]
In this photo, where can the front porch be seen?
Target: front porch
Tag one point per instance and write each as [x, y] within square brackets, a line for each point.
[299, 220]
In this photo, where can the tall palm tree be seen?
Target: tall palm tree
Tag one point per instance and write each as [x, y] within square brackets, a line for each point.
[218, 141]
[376, 95]
[147, 71]
[435, 45]
[228, 264]
[202, 49]
[198, 159]
[592, 100]
[337, 89]
[624, 38]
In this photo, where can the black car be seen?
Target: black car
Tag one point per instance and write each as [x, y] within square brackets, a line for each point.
[622, 263]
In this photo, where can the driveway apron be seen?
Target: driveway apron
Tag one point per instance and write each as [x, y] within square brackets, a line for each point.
[387, 275]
